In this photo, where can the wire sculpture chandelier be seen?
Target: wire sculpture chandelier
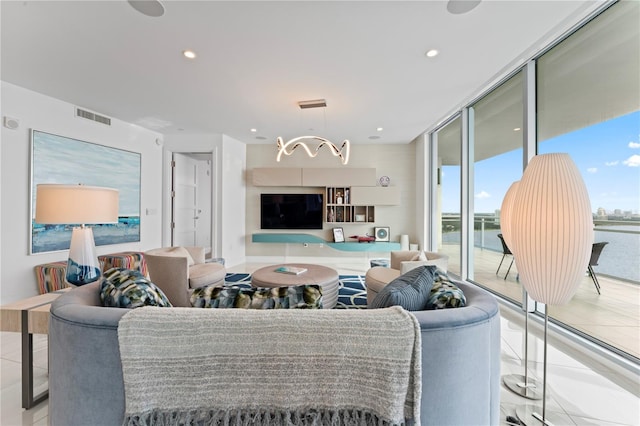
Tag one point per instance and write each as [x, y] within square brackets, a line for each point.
[288, 147]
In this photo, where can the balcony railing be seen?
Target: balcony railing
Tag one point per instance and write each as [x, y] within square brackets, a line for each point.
[619, 259]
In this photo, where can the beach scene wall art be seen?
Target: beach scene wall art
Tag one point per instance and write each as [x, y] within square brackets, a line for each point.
[63, 160]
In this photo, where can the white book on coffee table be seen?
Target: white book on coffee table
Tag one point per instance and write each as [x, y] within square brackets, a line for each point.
[290, 270]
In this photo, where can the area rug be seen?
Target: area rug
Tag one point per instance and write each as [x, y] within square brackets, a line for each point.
[352, 294]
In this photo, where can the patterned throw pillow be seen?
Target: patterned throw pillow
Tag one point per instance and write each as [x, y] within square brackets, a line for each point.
[308, 296]
[124, 288]
[410, 290]
[214, 296]
[444, 293]
[301, 297]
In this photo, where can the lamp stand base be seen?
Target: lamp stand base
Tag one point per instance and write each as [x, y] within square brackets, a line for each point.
[529, 388]
[83, 266]
[531, 415]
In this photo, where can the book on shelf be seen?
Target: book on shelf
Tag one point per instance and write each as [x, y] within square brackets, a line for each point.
[293, 270]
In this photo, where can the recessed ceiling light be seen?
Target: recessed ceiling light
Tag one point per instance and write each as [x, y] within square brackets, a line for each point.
[516, 129]
[431, 53]
[254, 130]
[151, 8]
[458, 7]
[374, 137]
[379, 129]
[189, 54]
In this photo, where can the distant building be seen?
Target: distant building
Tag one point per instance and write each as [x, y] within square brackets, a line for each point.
[602, 213]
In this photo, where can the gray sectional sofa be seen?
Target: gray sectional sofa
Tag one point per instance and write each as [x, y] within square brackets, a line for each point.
[460, 361]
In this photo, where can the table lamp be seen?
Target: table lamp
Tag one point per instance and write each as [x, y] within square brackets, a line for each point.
[552, 230]
[73, 205]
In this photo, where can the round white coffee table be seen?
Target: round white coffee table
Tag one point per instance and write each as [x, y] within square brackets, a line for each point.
[325, 277]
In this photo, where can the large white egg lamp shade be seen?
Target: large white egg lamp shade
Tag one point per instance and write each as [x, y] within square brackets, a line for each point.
[552, 233]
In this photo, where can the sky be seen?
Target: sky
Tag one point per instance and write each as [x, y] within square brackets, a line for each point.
[607, 155]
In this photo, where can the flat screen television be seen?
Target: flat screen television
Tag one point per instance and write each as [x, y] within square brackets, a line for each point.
[291, 211]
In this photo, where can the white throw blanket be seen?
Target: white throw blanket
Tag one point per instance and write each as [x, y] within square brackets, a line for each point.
[270, 367]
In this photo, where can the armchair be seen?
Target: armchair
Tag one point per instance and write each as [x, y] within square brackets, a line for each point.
[402, 261]
[177, 269]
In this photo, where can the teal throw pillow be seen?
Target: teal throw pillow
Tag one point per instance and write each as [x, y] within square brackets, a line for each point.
[409, 290]
[124, 288]
[445, 294]
[307, 296]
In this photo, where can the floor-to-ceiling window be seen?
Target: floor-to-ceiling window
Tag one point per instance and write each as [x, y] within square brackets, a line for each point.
[448, 192]
[496, 129]
[588, 91]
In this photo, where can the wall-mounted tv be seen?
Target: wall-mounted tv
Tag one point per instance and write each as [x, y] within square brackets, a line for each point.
[291, 211]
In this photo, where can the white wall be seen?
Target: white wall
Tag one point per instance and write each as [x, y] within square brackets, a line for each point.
[232, 200]
[36, 111]
[396, 161]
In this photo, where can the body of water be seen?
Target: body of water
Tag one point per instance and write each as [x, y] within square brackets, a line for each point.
[620, 258]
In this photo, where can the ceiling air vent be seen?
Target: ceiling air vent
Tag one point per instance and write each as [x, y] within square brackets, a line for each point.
[93, 116]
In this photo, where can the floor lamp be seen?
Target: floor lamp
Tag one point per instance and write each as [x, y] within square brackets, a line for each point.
[522, 385]
[553, 233]
[73, 205]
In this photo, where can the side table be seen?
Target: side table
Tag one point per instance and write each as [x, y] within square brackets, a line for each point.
[28, 317]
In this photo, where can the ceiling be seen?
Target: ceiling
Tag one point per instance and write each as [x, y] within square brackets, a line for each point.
[256, 60]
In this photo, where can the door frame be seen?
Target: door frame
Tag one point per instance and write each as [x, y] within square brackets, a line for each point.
[167, 185]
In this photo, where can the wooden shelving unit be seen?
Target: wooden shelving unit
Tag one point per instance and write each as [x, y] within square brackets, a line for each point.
[340, 210]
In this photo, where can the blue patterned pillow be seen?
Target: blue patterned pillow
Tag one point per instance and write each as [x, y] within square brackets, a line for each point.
[124, 288]
[409, 290]
[445, 294]
[300, 297]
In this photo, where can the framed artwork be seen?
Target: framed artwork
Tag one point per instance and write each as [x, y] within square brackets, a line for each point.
[58, 159]
[338, 235]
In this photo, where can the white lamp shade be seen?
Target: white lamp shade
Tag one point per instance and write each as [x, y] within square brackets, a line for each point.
[552, 228]
[506, 214]
[75, 204]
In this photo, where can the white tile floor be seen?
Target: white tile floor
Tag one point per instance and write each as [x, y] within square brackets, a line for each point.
[582, 388]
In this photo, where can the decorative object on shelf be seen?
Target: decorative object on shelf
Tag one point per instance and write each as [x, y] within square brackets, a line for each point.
[346, 196]
[382, 233]
[363, 238]
[332, 216]
[338, 235]
[552, 234]
[339, 215]
[78, 204]
[404, 242]
[339, 198]
[361, 217]
[385, 181]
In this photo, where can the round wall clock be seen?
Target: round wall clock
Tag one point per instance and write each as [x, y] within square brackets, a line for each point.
[385, 180]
